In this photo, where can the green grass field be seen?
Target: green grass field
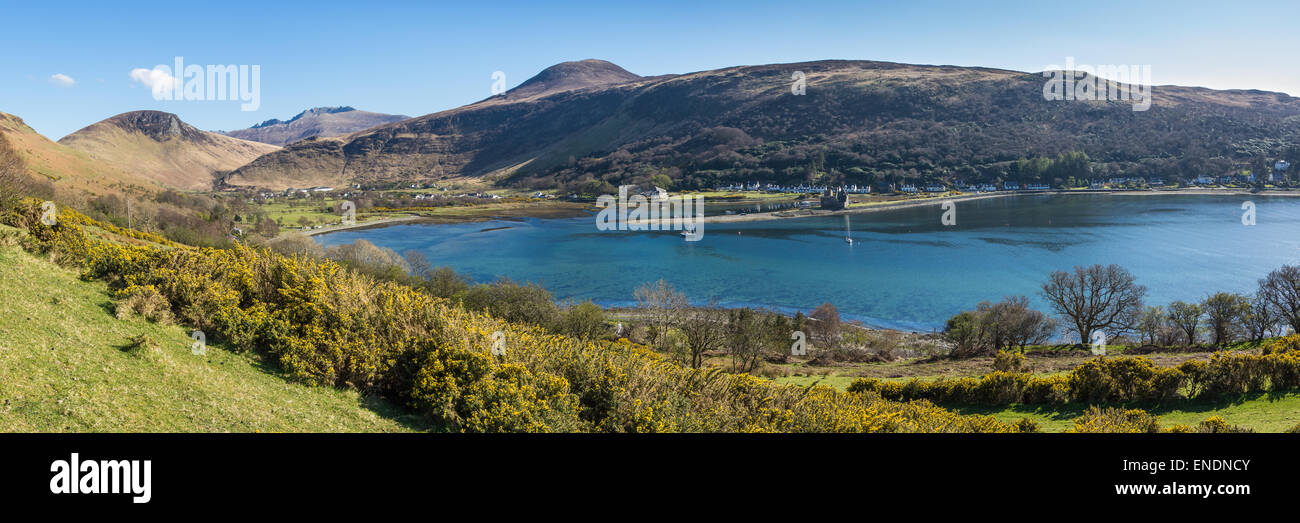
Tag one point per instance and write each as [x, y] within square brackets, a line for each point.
[1263, 412]
[288, 212]
[66, 365]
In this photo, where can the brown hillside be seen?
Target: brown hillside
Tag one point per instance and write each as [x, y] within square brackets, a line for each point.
[160, 147]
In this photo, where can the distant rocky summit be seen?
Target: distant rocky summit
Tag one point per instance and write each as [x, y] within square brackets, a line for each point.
[318, 122]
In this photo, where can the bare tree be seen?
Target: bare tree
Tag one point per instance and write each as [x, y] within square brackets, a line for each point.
[1096, 298]
[420, 265]
[825, 325]
[662, 305]
[1025, 326]
[1281, 289]
[750, 333]
[1260, 319]
[1187, 318]
[1224, 312]
[1150, 322]
[705, 328]
[992, 327]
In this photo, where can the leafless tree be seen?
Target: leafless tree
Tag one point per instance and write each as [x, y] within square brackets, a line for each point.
[1259, 320]
[1281, 289]
[1096, 298]
[1186, 317]
[1224, 312]
[662, 305]
[1150, 322]
[704, 328]
[825, 325]
[1023, 325]
[750, 333]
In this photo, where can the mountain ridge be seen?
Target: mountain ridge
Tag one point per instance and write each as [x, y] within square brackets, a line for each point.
[64, 166]
[160, 146]
[859, 121]
[317, 122]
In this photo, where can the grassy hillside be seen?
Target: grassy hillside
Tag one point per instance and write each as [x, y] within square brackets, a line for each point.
[66, 364]
[161, 147]
[65, 167]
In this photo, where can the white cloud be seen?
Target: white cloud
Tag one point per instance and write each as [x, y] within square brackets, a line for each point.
[159, 79]
[62, 80]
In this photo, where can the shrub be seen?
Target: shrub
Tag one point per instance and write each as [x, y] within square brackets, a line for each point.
[1028, 425]
[1116, 420]
[1114, 380]
[1007, 361]
[520, 303]
[1217, 425]
[144, 301]
[585, 321]
[1231, 374]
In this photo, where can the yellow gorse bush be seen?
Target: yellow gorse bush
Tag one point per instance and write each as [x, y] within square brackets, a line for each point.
[1103, 379]
[327, 326]
[1139, 421]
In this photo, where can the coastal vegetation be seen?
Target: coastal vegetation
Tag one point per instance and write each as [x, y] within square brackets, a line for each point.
[325, 325]
[504, 356]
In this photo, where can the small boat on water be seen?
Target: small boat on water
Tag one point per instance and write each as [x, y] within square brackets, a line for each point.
[848, 233]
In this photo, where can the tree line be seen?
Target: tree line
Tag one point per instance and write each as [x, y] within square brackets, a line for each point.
[1106, 299]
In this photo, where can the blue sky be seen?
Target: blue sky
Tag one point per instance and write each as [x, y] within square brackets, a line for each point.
[415, 58]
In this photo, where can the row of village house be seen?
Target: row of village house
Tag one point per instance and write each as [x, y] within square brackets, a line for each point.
[1279, 169]
[1278, 172]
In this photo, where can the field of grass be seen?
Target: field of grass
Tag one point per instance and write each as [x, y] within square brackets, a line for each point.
[288, 212]
[67, 365]
[1263, 412]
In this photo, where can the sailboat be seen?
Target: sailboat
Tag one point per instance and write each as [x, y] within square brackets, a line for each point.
[848, 238]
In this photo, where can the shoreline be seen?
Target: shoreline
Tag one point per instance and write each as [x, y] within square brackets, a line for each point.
[546, 211]
[373, 224]
[932, 200]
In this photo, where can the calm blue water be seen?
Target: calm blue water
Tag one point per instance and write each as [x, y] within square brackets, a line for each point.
[905, 270]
